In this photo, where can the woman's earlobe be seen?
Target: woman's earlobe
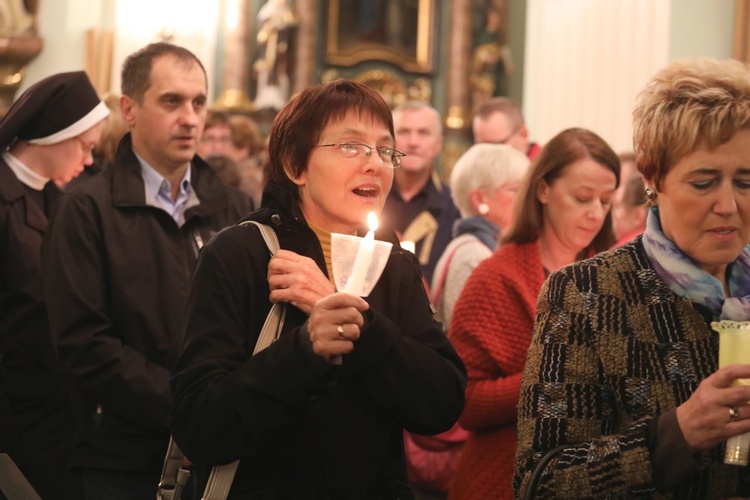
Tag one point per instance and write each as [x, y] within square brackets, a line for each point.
[542, 192]
[299, 180]
[476, 197]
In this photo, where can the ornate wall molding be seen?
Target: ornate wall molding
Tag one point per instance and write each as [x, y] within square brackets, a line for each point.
[741, 47]
[19, 44]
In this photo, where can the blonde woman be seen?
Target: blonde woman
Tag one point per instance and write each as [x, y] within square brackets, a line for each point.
[484, 183]
[622, 376]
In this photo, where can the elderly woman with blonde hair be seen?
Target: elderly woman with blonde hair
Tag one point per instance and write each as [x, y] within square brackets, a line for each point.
[622, 395]
[483, 182]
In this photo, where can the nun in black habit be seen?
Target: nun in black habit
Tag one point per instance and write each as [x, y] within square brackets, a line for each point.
[46, 137]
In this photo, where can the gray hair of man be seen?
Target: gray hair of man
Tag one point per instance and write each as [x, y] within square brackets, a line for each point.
[485, 167]
[416, 106]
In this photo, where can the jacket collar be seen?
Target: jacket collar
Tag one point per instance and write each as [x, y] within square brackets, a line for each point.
[128, 189]
[11, 189]
[279, 209]
[432, 192]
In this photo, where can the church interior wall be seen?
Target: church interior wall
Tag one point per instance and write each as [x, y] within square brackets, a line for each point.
[570, 57]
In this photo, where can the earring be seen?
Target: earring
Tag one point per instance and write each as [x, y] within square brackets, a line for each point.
[483, 208]
[650, 194]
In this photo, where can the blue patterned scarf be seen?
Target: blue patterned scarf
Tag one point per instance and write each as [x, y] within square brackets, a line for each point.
[484, 230]
[685, 279]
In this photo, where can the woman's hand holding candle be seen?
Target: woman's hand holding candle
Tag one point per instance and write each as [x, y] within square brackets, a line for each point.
[704, 418]
[334, 324]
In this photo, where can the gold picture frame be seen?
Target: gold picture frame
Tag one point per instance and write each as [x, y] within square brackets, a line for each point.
[400, 32]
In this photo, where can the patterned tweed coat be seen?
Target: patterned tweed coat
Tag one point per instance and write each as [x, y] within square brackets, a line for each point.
[613, 349]
[491, 330]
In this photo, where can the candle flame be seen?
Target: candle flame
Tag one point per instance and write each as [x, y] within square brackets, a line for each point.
[372, 221]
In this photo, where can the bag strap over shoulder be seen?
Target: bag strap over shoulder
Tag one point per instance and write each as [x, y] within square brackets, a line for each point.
[220, 480]
[436, 294]
[269, 236]
[275, 320]
[174, 476]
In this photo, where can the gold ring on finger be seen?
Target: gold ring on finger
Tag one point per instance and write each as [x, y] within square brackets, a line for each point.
[340, 329]
[734, 413]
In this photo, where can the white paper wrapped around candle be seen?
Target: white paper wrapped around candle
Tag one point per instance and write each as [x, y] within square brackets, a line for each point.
[364, 257]
[408, 246]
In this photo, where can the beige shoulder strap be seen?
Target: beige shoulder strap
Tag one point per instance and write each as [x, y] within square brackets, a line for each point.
[174, 477]
[220, 480]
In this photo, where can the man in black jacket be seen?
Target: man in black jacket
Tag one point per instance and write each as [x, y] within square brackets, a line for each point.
[119, 258]
[419, 205]
[46, 136]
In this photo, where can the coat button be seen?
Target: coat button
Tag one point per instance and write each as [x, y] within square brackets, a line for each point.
[276, 219]
[315, 402]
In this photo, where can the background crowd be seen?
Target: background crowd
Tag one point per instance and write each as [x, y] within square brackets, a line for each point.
[547, 332]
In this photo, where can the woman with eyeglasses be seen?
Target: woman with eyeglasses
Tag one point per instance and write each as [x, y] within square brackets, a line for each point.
[301, 425]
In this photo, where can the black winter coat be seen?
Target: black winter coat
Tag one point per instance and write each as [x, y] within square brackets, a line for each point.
[118, 272]
[302, 427]
[36, 417]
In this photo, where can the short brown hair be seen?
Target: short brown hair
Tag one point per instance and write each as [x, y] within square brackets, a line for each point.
[687, 105]
[503, 105]
[564, 149]
[136, 70]
[216, 118]
[246, 134]
[300, 123]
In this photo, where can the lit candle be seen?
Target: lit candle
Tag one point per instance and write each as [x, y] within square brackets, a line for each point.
[363, 259]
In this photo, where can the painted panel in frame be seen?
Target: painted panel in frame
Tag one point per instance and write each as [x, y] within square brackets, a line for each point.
[397, 31]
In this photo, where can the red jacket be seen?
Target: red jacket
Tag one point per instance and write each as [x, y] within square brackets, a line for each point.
[491, 330]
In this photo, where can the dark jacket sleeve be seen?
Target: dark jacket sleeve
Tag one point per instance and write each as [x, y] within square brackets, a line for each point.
[88, 343]
[405, 361]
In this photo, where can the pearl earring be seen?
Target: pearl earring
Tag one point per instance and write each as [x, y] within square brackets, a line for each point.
[650, 194]
[483, 208]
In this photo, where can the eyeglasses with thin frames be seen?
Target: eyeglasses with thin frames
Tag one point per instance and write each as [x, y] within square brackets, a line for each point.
[86, 149]
[389, 157]
[505, 139]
